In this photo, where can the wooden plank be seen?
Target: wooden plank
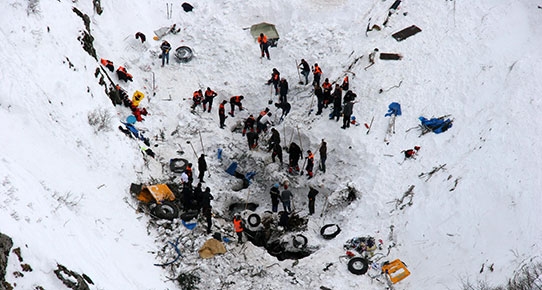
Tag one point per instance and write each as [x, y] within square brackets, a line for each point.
[390, 56]
[406, 33]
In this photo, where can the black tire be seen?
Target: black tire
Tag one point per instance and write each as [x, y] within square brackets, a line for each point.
[358, 265]
[178, 165]
[183, 53]
[297, 243]
[329, 236]
[254, 220]
[166, 210]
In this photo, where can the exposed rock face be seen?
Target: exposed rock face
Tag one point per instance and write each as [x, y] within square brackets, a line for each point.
[67, 276]
[5, 246]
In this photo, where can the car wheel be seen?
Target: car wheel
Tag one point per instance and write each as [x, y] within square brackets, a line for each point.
[166, 210]
[358, 265]
[328, 233]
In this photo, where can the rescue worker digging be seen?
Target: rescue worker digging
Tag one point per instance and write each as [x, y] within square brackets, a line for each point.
[236, 101]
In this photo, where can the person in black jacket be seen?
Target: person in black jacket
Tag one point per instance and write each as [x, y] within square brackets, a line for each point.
[275, 197]
[320, 99]
[275, 79]
[312, 196]
[347, 114]
[222, 113]
[323, 155]
[275, 138]
[337, 102]
[277, 151]
[305, 70]
[198, 195]
[206, 207]
[165, 47]
[283, 89]
[202, 167]
[294, 155]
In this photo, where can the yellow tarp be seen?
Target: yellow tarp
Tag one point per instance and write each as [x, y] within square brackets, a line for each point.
[157, 192]
[211, 248]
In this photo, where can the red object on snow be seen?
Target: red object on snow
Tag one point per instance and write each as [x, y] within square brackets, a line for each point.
[366, 125]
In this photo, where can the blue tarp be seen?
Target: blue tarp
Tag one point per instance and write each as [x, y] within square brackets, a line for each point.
[437, 125]
[250, 175]
[394, 109]
[231, 169]
[136, 132]
[189, 226]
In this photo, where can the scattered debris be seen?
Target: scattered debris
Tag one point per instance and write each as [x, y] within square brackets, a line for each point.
[430, 173]
[400, 203]
[395, 86]
[456, 181]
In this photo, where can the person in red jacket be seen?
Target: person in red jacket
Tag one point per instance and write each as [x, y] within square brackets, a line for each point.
[108, 64]
[264, 45]
[345, 85]
[209, 96]
[197, 97]
[222, 113]
[249, 124]
[310, 164]
[236, 101]
[275, 79]
[123, 75]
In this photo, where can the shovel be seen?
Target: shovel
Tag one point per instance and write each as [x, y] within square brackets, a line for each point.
[196, 154]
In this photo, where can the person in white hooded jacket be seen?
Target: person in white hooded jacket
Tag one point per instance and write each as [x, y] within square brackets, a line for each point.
[264, 122]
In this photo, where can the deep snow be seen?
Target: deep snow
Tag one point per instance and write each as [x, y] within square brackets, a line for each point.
[64, 192]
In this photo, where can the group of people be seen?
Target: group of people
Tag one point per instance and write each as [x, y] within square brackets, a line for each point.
[195, 197]
[286, 197]
[327, 95]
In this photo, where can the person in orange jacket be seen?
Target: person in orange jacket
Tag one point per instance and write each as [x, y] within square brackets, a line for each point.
[316, 73]
[264, 45]
[326, 87]
[238, 226]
